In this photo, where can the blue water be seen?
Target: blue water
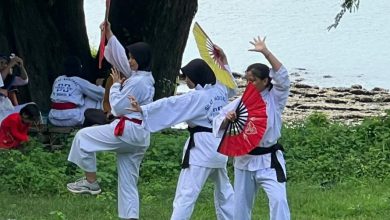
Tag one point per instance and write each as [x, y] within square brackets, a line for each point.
[357, 52]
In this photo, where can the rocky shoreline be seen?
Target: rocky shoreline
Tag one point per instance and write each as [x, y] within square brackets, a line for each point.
[347, 104]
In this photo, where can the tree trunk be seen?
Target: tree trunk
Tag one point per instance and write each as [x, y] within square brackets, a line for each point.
[44, 32]
[164, 25]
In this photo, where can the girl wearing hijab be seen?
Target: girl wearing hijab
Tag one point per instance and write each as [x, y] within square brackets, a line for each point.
[264, 166]
[125, 136]
[201, 161]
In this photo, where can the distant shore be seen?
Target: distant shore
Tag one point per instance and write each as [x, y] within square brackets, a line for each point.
[347, 104]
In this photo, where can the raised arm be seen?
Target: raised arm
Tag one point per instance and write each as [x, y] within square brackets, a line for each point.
[259, 46]
[115, 53]
[278, 73]
[106, 27]
[222, 60]
[19, 62]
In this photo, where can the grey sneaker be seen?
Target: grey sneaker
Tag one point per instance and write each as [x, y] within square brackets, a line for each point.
[83, 186]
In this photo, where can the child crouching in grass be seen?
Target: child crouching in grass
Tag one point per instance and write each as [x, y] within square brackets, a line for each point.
[14, 128]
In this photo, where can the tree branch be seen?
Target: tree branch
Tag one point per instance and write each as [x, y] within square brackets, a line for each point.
[350, 5]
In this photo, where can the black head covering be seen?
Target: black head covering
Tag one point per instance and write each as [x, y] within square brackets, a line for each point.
[72, 66]
[142, 53]
[5, 57]
[199, 72]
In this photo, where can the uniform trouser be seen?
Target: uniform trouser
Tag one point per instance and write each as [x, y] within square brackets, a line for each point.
[101, 138]
[190, 184]
[246, 184]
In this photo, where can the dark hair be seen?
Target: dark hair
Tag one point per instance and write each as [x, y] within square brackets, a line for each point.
[72, 66]
[260, 71]
[5, 57]
[142, 53]
[31, 111]
[199, 72]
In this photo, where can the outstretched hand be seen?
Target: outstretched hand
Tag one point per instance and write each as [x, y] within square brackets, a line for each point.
[220, 55]
[134, 105]
[259, 45]
[116, 76]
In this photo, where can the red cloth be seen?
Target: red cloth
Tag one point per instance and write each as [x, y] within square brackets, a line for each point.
[13, 131]
[121, 125]
[63, 106]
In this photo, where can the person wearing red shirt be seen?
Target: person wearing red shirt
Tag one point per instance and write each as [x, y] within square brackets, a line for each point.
[14, 128]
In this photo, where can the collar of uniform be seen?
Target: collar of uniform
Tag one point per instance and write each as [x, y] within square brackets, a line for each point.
[207, 86]
[142, 72]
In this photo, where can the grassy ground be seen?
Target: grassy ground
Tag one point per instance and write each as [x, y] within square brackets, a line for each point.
[369, 199]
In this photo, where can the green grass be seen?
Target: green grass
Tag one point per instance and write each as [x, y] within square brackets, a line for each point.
[335, 171]
[369, 199]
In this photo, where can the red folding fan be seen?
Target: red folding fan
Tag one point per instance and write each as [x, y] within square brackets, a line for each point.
[244, 134]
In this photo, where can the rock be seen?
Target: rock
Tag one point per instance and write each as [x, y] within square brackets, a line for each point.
[336, 101]
[357, 87]
[364, 99]
[349, 105]
[386, 99]
[361, 92]
[300, 85]
[377, 89]
[327, 76]
[341, 89]
[295, 74]
[237, 75]
[310, 95]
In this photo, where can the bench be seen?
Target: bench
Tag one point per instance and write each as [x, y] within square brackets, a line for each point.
[53, 137]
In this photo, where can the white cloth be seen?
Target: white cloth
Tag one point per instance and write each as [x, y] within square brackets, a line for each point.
[275, 100]
[18, 81]
[197, 108]
[254, 170]
[130, 147]
[6, 107]
[90, 140]
[116, 55]
[246, 184]
[77, 91]
[190, 184]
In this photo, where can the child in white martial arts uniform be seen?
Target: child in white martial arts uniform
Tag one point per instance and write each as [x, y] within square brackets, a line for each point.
[201, 161]
[8, 81]
[125, 136]
[264, 166]
[72, 95]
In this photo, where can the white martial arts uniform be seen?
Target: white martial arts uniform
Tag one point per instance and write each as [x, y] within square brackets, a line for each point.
[197, 108]
[135, 140]
[6, 107]
[252, 171]
[77, 91]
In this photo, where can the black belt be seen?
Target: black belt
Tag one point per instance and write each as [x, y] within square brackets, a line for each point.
[191, 143]
[280, 176]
